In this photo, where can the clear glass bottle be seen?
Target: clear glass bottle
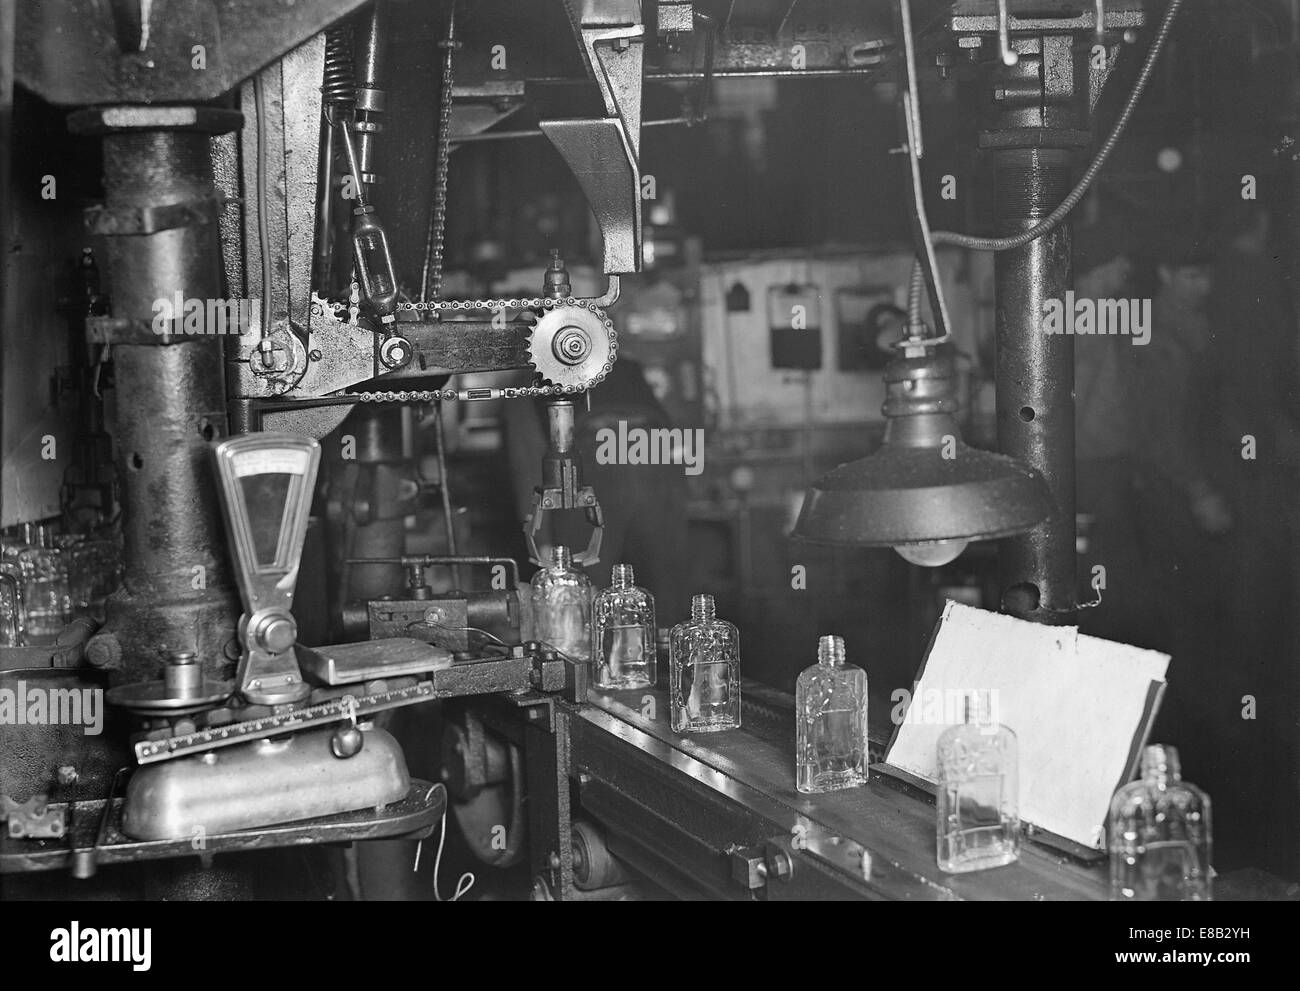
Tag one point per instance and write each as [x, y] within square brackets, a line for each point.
[977, 808]
[561, 599]
[623, 634]
[11, 606]
[95, 570]
[704, 665]
[13, 615]
[46, 597]
[830, 722]
[1160, 835]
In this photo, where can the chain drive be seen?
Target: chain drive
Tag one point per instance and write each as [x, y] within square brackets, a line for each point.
[509, 392]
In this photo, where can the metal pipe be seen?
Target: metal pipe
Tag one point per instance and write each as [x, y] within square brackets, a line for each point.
[1035, 382]
[370, 97]
[324, 242]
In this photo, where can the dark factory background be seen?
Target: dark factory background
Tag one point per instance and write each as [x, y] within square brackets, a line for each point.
[791, 190]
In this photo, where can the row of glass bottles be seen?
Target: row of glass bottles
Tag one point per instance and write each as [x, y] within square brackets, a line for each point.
[1159, 826]
[977, 819]
[45, 580]
[615, 632]
[1160, 831]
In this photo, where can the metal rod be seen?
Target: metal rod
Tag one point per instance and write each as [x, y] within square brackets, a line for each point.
[373, 51]
[1009, 57]
[510, 135]
[445, 489]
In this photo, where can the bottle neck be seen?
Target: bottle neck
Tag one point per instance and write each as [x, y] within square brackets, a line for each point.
[1160, 765]
[830, 651]
[561, 558]
[621, 576]
[702, 609]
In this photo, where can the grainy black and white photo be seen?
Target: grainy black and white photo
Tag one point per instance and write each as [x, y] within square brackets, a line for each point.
[650, 451]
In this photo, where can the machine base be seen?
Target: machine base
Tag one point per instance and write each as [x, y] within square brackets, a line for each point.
[262, 783]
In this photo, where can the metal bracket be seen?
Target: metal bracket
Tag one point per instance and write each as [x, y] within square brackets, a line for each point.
[605, 153]
[753, 866]
[34, 819]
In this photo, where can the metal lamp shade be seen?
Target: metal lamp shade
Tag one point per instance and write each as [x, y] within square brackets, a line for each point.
[905, 494]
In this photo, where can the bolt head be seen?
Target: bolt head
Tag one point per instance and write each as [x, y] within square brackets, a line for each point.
[396, 352]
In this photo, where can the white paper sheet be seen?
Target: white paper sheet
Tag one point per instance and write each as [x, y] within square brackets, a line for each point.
[1079, 707]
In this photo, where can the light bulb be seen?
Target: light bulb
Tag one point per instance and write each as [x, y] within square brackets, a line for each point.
[931, 553]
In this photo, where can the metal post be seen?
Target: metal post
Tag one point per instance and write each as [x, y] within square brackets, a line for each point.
[1039, 122]
[160, 212]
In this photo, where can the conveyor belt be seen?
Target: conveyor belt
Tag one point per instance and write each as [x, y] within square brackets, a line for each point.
[646, 781]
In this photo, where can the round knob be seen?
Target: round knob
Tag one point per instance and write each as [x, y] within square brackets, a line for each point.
[347, 741]
[278, 634]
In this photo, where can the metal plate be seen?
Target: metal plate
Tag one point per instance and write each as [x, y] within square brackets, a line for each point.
[349, 663]
[413, 817]
[153, 698]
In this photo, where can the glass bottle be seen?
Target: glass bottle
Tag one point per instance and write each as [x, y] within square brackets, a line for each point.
[13, 615]
[704, 661]
[1160, 834]
[11, 606]
[623, 634]
[47, 601]
[830, 722]
[977, 808]
[561, 598]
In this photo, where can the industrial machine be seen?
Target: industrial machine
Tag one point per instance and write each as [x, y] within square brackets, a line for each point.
[255, 180]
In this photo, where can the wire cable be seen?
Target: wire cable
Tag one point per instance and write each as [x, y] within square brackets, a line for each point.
[1054, 219]
[912, 119]
[466, 880]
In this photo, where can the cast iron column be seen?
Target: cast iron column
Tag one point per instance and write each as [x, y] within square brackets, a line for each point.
[160, 218]
[1040, 120]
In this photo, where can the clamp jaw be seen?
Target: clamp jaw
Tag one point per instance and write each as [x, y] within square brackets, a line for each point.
[562, 486]
[266, 483]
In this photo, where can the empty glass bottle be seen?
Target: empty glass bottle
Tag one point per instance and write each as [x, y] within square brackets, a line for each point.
[561, 598]
[830, 722]
[623, 634]
[977, 808]
[47, 603]
[1160, 834]
[704, 661]
[11, 606]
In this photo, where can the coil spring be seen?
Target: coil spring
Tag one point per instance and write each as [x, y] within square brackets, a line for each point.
[339, 86]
